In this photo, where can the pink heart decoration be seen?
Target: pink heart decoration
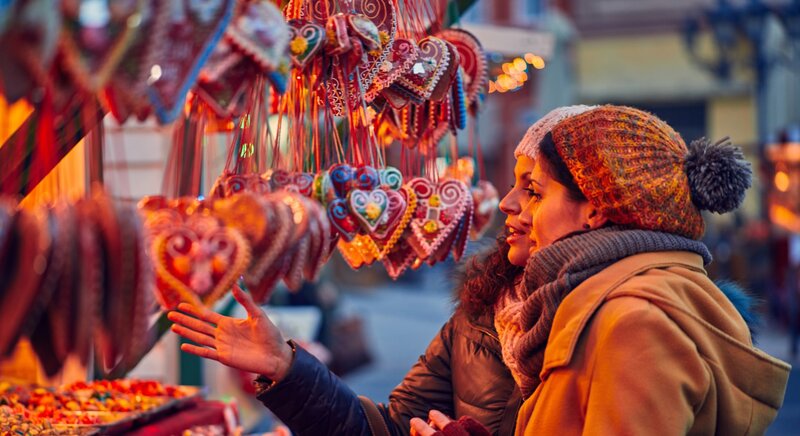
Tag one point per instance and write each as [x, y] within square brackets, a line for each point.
[463, 232]
[261, 32]
[401, 58]
[429, 68]
[396, 208]
[366, 30]
[92, 51]
[306, 39]
[192, 31]
[368, 207]
[399, 258]
[341, 220]
[472, 59]
[440, 208]
[442, 89]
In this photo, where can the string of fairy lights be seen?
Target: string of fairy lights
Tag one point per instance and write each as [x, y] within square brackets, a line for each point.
[512, 75]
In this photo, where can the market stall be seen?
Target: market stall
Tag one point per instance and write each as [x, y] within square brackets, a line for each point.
[341, 118]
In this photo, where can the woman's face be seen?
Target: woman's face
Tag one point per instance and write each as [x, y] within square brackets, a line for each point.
[551, 214]
[512, 205]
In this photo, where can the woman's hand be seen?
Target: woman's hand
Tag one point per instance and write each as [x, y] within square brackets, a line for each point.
[252, 344]
[438, 421]
[439, 424]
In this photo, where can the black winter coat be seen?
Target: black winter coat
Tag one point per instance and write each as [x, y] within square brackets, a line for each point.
[461, 373]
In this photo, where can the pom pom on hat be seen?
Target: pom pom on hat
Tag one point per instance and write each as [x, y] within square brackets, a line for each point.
[529, 146]
[718, 174]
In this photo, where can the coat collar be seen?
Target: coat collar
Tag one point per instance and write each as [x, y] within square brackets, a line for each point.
[578, 307]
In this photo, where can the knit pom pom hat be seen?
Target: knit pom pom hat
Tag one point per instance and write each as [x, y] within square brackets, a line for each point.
[637, 170]
[529, 146]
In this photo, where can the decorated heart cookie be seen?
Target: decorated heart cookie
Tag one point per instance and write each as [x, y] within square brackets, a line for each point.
[94, 45]
[401, 58]
[306, 40]
[429, 68]
[472, 59]
[439, 211]
[368, 207]
[261, 32]
[198, 264]
[192, 32]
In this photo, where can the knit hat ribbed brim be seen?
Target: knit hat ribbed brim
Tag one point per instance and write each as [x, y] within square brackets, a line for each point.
[529, 146]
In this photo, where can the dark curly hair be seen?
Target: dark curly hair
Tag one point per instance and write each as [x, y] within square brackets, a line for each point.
[484, 279]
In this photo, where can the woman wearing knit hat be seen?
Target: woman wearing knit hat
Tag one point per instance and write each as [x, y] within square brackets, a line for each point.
[460, 361]
[616, 328]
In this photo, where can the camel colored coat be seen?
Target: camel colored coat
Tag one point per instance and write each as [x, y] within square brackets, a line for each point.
[651, 346]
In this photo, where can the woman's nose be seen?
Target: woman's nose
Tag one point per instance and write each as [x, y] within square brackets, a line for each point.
[509, 205]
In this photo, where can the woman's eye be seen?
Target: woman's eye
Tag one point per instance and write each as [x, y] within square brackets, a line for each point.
[532, 192]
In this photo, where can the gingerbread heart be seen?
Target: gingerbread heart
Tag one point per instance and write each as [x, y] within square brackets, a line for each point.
[368, 207]
[341, 220]
[126, 94]
[198, 266]
[399, 61]
[361, 251]
[463, 232]
[94, 47]
[306, 39]
[390, 178]
[261, 32]
[395, 210]
[366, 30]
[192, 31]
[382, 14]
[472, 59]
[341, 176]
[399, 258]
[260, 278]
[366, 178]
[442, 89]
[439, 211]
[429, 68]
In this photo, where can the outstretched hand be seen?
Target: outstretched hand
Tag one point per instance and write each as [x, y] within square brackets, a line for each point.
[252, 344]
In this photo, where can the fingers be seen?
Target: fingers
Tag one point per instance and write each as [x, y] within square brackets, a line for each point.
[421, 428]
[194, 336]
[246, 300]
[439, 419]
[204, 352]
[203, 313]
[191, 322]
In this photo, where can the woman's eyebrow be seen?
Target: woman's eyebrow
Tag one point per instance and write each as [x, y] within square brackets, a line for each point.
[535, 181]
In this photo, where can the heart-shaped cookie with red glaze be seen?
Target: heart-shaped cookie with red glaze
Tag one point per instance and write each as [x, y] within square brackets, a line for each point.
[472, 59]
[341, 220]
[399, 258]
[485, 201]
[302, 183]
[125, 93]
[442, 89]
[228, 185]
[342, 179]
[198, 265]
[261, 32]
[306, 39]
[401, 58]
[369, 208]
[94, 47]
[433, 63]
[267, 253]
[183, 45]
[402, 205]
[439, 211]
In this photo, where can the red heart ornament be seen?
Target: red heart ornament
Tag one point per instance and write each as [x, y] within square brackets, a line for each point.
[193, 30]
[472, 59]
[399, 258]
[401, 58]
[125, 93]
[261, 32]
[429, 68]
[93, 48]
[306, 39]
[198, 265]
[226, 94]
[341, 220]
[439, 211]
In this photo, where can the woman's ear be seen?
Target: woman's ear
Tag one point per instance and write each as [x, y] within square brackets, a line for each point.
[595, 218]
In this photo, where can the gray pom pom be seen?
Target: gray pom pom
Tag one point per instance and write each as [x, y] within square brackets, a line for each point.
[718, 175]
